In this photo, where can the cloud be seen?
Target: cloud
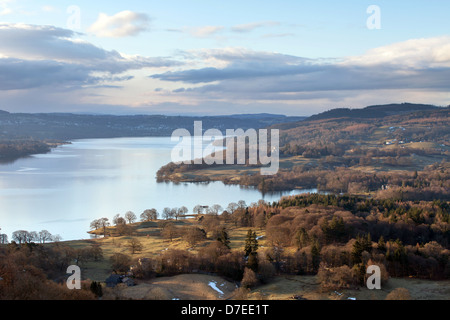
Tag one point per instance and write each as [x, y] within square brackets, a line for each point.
[48, 8]
[203, 32]
[422, 64]
[36, 56]
[278, 35]
[239, 64]
[4, 7]
[237, 70]
[50, 67]
[122, 24]
[5, 11]
[414, 53]
[248, 27]
[16, 74]
[234, 57]
[47, 42]
[207, 31]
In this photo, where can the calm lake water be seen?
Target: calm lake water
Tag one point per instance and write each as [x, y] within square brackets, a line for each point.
[63, 191]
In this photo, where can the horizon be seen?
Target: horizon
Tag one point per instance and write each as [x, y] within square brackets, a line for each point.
[178, 58]
[224, 115]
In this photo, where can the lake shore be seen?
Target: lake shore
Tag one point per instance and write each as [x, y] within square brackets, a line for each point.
[111, 176]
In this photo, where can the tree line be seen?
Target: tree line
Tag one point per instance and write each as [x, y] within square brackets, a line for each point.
[24, 236]
[122, 224]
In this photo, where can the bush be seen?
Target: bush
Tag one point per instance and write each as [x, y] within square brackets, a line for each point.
[241, 293]
[249, 280]
[96, 288]
[399, 294]
[266, 270]
[336, 278]
[120, 262]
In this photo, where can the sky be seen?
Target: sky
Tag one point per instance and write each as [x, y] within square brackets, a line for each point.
[210, 57]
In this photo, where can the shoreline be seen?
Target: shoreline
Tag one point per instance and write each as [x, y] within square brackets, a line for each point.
[50, 145]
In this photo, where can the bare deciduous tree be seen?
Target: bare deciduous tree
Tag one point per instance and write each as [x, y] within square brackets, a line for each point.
[44, 236]
[167, 213]
[21, 236]
[95, 224]
[103, 223]
[169, 231]
[3, 238]
[135, 245]
[232, 207]
[130, 217]
[193, 235]
[117, 220]
[181, 212]
[249, 280]
[198, 209]
[149, 215]
[120, 262]
[215, 209]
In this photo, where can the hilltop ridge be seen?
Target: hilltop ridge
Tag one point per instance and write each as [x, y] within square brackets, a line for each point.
[375, 111]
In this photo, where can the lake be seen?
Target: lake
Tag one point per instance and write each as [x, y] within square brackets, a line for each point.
[66, 189]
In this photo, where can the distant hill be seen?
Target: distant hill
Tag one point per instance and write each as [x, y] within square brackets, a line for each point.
[266, 116]
[353, 151]
[376, 111]
[68, 126]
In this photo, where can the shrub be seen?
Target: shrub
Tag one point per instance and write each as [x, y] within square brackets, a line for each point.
[249, 280]
[336, 278]
[399, 294]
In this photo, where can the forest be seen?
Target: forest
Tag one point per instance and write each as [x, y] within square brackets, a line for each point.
[334, 237]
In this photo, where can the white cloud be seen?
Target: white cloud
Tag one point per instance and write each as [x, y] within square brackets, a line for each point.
[207, 31]
[4, 7]
[241, 75]
[122, 24]
[5, 11]
[414, 53]
[35, 56]
[248, 27]
[203, 32]
[48, 8]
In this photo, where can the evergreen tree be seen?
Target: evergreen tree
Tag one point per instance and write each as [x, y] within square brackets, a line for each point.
[251, 243]
[367, 243]
[252, 261]
[302, 238]
[381, 244]
[246, 218]
[224, 238]
[251, 247]
[362, 243]
[357, 250]
[96, 288]
[315, 255]
[360, 270]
